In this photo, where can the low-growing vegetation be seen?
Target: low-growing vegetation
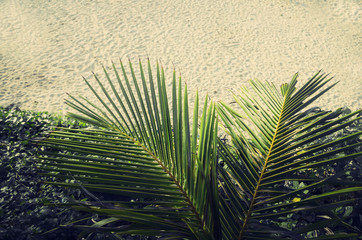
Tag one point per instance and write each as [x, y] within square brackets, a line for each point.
[23, 193]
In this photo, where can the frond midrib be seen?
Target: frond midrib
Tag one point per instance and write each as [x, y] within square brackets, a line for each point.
[251, 207]
[165, 169]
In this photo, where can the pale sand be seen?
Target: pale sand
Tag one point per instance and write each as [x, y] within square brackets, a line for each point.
[217, 45]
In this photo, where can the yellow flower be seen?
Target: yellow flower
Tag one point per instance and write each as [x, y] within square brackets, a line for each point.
[297, 199]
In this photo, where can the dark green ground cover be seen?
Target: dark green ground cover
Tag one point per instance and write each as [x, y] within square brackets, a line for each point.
[23, 193]
[23, 214]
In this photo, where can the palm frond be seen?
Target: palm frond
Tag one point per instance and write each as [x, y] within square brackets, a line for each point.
[143, 149]
[274, 142]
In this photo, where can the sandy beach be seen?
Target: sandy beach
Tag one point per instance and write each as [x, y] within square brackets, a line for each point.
[217, 45]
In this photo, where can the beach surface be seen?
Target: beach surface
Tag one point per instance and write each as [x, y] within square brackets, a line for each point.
[216, 45]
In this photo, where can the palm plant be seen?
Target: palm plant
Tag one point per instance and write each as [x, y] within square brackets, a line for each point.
[178, 180]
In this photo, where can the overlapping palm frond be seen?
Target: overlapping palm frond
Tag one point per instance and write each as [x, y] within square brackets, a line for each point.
[143, 149]
[178, 180]
[274, 143]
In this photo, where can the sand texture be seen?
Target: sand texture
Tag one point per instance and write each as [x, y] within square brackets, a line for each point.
[217, 45]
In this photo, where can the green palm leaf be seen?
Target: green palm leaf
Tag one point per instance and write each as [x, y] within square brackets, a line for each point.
[275, 142]
[145, 150]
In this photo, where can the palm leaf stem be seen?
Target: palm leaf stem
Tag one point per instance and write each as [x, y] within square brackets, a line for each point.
[251, 207]
[185, 195]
